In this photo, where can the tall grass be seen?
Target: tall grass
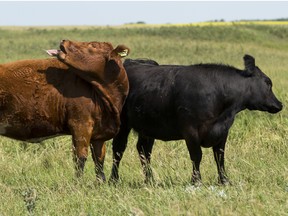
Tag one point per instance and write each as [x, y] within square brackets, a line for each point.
[39, 178]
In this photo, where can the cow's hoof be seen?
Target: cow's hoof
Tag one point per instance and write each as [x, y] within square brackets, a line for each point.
[196, 179]
[101, 178]
[113, 180]
[196, 183]
[224, 182]
[150, 181]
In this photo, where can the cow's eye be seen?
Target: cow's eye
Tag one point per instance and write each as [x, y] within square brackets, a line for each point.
[268, 82]
[93, 45]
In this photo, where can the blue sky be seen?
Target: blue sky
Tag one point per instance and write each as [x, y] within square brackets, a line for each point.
[41, 13]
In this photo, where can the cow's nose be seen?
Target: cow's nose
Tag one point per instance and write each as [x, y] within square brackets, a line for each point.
[280, 106]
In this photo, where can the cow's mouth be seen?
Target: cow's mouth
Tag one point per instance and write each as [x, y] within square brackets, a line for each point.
[62, 48]
[52, 52]
[58, 53]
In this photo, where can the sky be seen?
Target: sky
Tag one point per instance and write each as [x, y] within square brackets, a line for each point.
[102, 13]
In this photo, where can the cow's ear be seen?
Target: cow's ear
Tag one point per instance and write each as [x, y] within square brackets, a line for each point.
[120, 50]
[249, 63]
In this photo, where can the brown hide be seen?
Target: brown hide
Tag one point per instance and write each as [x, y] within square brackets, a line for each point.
[81, 92]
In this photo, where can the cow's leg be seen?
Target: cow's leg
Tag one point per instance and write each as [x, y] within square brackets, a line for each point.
[194, 148]
[119, 145]
[219, 151]
[79, 157]
[144, 147]
[81, 135]
[98, 149]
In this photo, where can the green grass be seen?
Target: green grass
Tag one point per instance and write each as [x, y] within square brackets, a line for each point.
[40, 177]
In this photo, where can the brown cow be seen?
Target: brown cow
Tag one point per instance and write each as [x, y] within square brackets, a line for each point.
[81, 93]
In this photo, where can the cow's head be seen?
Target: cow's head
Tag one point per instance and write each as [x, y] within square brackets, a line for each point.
[261, 95]
[89, 56]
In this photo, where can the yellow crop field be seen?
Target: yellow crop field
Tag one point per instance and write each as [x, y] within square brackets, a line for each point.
[212, 23]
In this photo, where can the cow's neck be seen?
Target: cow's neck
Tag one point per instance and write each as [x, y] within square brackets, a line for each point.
[106, 93]
[235, 94]
[106, 90]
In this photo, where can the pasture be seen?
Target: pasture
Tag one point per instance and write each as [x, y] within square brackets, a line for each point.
[38, 179]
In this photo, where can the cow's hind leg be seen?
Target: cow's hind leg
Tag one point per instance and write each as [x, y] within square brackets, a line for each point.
[219, 151]
[98, 149]
[144, 147]
[119, 145]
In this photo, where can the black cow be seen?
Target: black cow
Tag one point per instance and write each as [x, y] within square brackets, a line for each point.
[197, 103]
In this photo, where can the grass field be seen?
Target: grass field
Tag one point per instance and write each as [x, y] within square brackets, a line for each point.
[38, 179]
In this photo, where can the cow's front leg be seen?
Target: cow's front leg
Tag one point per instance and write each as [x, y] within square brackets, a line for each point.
[144, 147]
[80, 153]
[196, 157]
[118, 146]
[195, 152]
[98, 149]
[81, 135]
[219, 151]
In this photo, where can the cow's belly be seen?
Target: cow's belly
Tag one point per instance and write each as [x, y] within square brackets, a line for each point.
[160, 135]
[23, 117]
[29, 129]
[214, 134]
[157, 128]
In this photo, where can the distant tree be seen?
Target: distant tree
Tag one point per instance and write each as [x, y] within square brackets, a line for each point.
[282, 19]
[218, 20]
[140, 22]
